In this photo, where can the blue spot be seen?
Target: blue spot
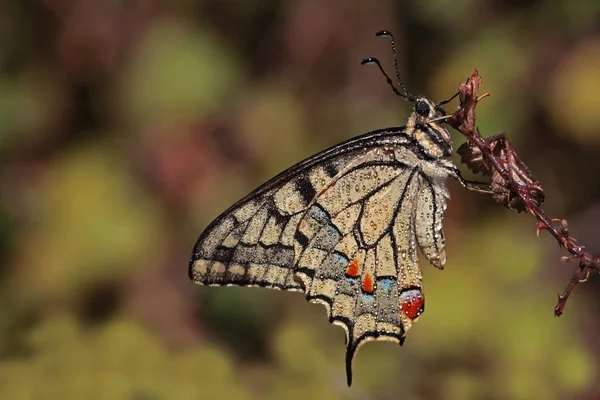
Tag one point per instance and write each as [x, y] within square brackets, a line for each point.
[334, 232]
[386, 284]
[319, 214]
[342, 259]
[367, 297]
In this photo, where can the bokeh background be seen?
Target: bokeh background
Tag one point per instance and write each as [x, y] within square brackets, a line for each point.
[127, 126]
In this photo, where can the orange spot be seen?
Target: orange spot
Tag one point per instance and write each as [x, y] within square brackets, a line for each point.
[352, 270]
[367, 283]
[412, 302]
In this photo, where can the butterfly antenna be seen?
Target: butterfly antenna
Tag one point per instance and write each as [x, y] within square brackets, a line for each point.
[440, 109]
[441, 103]
[373, 60]
[391, 37]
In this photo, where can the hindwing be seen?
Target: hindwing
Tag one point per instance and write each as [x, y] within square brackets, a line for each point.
[358, 254]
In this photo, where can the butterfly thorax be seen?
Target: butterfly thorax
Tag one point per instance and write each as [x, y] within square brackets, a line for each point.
[433, 139]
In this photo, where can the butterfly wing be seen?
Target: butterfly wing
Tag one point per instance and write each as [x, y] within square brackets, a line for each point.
[342, 226]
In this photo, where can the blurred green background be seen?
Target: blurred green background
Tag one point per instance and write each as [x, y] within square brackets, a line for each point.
[127, 126]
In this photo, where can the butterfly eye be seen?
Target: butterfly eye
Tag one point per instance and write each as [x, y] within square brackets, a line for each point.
[422, 108]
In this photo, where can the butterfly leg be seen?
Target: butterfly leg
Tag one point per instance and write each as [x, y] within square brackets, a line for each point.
[474, 186]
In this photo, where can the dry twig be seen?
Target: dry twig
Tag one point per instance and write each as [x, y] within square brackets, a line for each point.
[513, 183]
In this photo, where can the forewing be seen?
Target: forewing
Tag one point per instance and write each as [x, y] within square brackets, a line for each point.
[253, 242]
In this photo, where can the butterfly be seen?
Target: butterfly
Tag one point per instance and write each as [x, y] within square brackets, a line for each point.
[344, 225]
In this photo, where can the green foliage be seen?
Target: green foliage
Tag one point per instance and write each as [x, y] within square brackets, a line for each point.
[179, 72]
[580, 120]
[120, 360]
[23, 109]
[90, 223]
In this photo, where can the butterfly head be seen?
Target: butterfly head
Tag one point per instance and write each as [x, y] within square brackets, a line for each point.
[424, 125]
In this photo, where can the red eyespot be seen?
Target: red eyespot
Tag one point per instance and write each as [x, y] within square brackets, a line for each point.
[413, 302]
[352, 270]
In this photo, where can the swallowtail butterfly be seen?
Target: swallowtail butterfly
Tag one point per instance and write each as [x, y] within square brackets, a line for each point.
[344, 225]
